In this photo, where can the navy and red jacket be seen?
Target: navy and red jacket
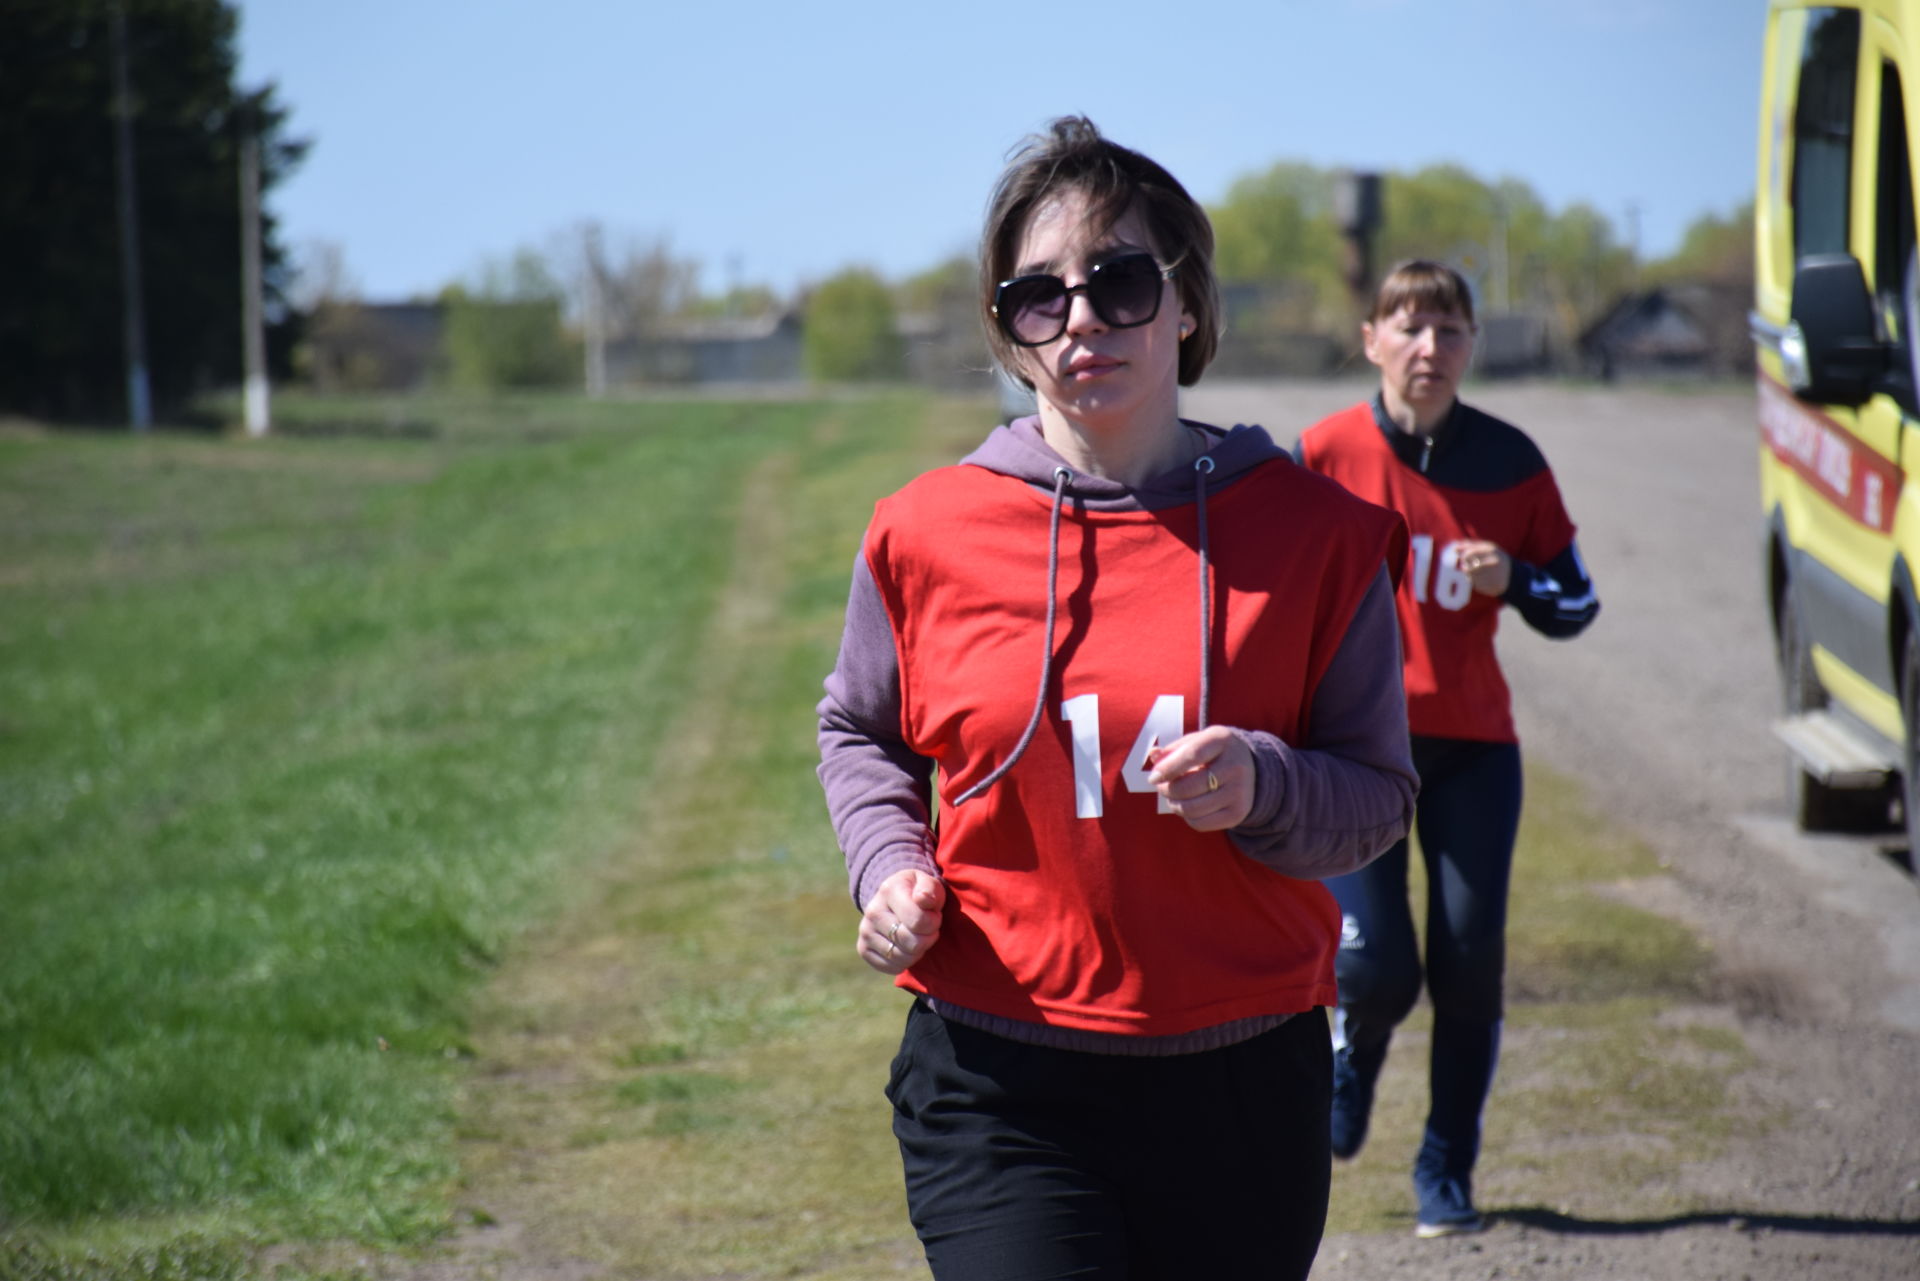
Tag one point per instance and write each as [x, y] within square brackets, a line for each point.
[1474, 477]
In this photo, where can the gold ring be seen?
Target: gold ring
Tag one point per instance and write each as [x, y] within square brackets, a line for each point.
[894, 948]
[892, 936]
[1213, 781]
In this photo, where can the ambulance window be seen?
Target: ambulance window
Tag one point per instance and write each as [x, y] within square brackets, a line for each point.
[1893, 219]
[1823, 131]
[1893, 229]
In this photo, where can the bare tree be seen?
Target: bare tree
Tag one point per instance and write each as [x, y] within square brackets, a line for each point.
[321, 276]
[340, 350]
[637, 280]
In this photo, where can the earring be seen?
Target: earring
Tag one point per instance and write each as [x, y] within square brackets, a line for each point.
[1186, 332]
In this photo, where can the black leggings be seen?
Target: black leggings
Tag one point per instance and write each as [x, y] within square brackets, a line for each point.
[1026, 1163]
[1467, 816]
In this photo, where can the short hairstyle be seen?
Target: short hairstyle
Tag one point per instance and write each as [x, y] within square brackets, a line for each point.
[1073, 155]
[1424, 285]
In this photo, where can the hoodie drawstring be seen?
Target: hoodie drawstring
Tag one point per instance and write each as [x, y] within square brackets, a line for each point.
[1060, 478]
[1202, 468]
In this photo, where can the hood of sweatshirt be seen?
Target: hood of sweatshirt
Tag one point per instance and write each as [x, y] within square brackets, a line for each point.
[1018, 449]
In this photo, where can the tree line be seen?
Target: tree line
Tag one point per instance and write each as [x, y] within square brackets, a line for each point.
[519, 321]
[1279, 253]
[63, 340]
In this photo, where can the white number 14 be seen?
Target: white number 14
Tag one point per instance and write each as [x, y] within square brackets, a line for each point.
[1165, 722]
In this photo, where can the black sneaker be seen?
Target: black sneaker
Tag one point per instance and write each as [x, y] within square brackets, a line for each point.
[1352, 1101]
[1446, 1209]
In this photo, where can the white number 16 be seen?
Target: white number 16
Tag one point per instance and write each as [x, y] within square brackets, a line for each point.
[1452, 589]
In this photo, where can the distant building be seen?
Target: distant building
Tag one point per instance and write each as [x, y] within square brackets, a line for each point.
[1512, 344]
[1692, 329]
[719, 349]
[355, 346]
[946, 349]
[1271, 330]
[398, 347]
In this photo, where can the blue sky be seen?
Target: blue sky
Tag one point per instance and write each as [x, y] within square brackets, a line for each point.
[779, 142]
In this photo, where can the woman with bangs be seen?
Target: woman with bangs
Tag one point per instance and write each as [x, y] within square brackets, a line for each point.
[1116, 693]
[1488, 529]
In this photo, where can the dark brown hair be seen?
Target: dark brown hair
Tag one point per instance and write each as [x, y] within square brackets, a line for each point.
[1426, 286]
[1074, 156]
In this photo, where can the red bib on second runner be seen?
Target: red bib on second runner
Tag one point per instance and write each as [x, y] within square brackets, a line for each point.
[1445, 626]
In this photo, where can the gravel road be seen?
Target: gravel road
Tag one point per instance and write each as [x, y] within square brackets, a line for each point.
[1663, 709]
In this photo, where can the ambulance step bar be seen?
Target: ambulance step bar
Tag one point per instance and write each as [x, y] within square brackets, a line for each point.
[1837, 752]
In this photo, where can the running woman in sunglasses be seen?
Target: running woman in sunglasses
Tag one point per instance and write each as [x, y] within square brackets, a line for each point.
[1488, 529]
[1115, 693]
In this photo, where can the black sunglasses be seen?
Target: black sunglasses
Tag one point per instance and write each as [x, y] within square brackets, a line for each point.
[1124, 291]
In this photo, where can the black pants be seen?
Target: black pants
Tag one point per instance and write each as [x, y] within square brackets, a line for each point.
[1025, 1163]
[1468, 815]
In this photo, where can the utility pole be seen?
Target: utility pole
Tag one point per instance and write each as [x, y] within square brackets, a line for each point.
[594, 319]
[1502, 283]
[252, 321]
[1633, 240]
[1357, 213]
[133, 302]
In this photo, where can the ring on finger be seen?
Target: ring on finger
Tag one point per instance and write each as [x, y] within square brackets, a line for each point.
[893, 933]
[1213, 781]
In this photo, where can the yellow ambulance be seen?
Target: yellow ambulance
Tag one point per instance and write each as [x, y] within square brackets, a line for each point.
[1833, 324]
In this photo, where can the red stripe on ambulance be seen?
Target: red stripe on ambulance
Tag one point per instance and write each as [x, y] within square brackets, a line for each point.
[1852, 477]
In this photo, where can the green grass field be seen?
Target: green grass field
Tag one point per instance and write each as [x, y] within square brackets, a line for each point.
[407, 823]
[298, 736]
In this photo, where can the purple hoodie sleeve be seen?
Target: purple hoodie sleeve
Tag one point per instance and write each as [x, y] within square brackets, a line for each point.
[1335, 805]
[878, 789]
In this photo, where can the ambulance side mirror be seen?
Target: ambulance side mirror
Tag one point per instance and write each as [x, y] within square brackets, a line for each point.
[1840, 357]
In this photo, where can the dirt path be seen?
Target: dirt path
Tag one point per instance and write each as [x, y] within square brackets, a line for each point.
[1662, 709]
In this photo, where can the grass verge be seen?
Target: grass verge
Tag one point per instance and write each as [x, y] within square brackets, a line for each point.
[299, 734]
